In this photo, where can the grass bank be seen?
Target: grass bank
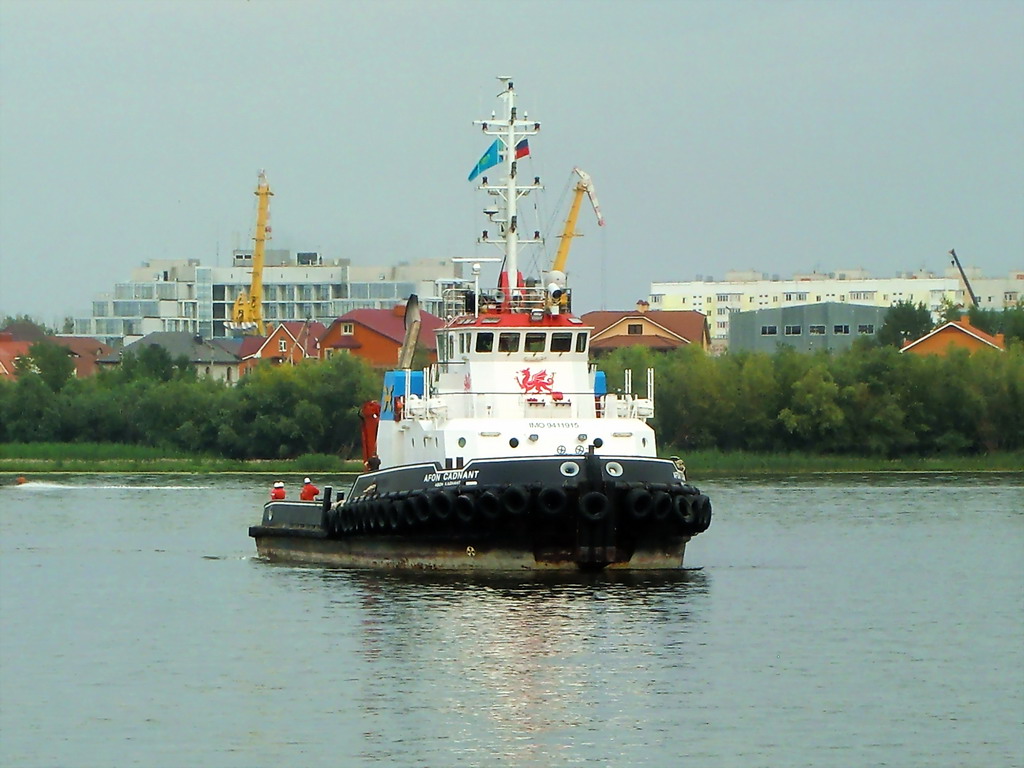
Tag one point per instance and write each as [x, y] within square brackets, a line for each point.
[23, 458]
[702, 464]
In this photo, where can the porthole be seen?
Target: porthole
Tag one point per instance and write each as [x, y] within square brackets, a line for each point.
[613, 468]
[598, 442]
[514, 442]
[462, 442]
[569, 468]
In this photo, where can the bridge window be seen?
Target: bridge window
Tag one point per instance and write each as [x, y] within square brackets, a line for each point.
[561, 342]
[484, 342]
[535, 342]
[508, 342]
[581, 342]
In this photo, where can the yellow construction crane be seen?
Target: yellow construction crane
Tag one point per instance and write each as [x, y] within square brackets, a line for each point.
[584, 185]
[556, 276]
[247, 314]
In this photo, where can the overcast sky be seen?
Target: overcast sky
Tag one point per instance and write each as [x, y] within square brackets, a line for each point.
[775, 136]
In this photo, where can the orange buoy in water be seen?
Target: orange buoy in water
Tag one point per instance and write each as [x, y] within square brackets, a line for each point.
[20, 479]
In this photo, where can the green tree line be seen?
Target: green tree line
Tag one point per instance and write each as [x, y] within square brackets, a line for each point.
[869, 401]
[274, 412]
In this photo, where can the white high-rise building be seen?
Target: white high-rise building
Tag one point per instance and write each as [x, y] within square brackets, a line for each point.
[184, 295]
[741, 291]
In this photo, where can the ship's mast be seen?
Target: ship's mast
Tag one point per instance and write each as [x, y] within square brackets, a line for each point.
[510, 131]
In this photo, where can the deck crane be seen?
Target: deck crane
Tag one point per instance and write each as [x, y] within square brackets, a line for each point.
[556, 275]
[247, 314]
[963, 276]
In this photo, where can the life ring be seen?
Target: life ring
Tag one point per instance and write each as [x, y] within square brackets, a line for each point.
[594, 506]
[639, 502]
[465, 508]
[551, 500]
[515, 500]
[441, 503]
[490, 505]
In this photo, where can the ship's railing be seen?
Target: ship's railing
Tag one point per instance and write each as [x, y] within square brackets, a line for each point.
[542, 405]
[459, 299]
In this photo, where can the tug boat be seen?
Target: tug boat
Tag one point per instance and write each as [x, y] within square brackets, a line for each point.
[509, 453]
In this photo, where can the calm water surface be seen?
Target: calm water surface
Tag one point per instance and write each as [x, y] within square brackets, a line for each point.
[854, 621]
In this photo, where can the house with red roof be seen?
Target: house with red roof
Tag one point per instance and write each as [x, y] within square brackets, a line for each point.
[956, 334]
[660, 330]
[289, 343]
[10, 351]
[376, 335]
[82, 350]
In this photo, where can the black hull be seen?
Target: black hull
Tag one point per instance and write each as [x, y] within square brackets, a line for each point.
[586, 512]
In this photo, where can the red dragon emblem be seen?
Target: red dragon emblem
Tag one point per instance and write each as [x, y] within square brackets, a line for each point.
[539, 382]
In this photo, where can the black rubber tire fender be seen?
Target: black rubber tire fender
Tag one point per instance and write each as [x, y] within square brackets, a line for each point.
[441, 505]
[465, 508]
[640, 503]
[489, 505]
[594, 506]
[515, 500]
[684, 512]
[551, 500]
[661, 505]
[420, 506]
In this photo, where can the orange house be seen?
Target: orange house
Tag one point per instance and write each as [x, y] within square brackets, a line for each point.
[10, 351]
[957, 334]
[660, 330]
[289, 343]
[376, 335]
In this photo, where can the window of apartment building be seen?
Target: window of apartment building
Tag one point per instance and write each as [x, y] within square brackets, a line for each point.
[794, 330]
[796, 297]
[841, 330]
[816, 330]
[722, 297]
[723, 310]
[1010, 297]
[635, 329]
[818, 298]
[866, 328]
[347, 329]
[282, 345]
[769, 330]
[656, 298]
[722, 324]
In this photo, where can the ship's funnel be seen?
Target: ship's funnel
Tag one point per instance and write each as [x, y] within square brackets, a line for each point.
[412, 332]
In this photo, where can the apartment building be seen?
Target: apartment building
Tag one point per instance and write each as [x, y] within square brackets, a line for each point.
[745, 291]
[167, 295]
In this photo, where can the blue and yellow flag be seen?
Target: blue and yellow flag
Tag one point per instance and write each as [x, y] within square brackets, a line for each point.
[489, 159]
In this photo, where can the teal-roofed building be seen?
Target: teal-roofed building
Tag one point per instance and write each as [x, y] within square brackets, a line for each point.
[807, 327]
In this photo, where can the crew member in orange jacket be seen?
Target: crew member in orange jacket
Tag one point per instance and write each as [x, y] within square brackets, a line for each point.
[309, 491]
[277, 492]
